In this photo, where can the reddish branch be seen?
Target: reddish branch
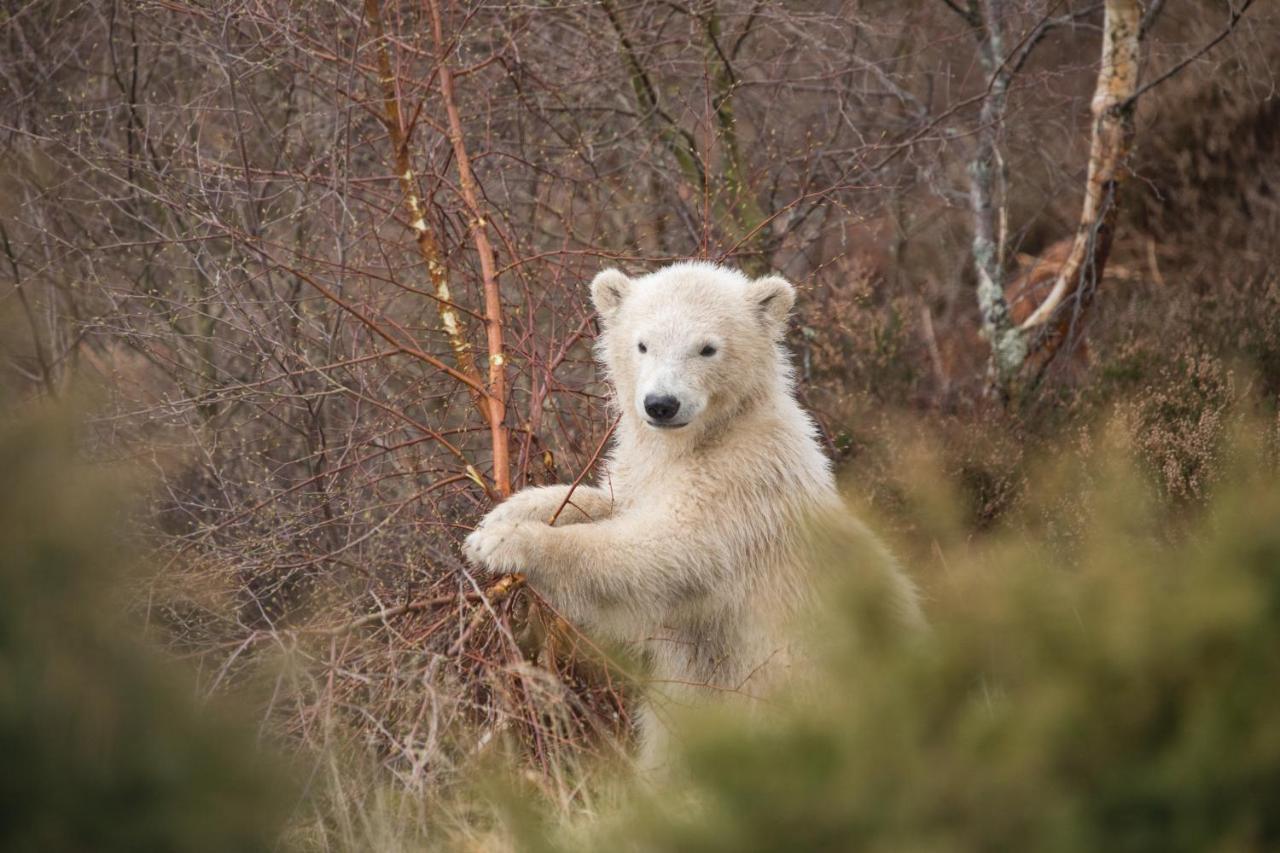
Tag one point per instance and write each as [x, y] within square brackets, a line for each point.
[490, 400]
[484, 249]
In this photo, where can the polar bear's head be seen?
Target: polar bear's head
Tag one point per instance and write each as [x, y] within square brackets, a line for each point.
[689, 344]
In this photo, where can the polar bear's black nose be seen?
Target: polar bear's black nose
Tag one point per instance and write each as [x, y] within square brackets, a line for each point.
[661, 407]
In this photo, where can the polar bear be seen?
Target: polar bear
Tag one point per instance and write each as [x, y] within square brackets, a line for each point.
[694, 544]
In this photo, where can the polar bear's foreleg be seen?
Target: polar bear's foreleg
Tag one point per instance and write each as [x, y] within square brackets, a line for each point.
[631, 562]
[541, 503]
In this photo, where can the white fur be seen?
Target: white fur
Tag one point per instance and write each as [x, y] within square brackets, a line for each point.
[694, 544]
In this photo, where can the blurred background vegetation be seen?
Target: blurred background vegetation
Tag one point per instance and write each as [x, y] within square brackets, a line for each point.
[255, 254]
[105, 745]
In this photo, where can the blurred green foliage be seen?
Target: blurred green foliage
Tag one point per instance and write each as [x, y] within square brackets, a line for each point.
[103, 746]
[1101, 672]
[1116, 689]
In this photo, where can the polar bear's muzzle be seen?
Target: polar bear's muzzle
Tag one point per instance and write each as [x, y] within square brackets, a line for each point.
[665, 398]
[661, 411]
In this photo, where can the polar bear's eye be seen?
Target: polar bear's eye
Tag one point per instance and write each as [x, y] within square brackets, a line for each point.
[642, 347]
[708, 351]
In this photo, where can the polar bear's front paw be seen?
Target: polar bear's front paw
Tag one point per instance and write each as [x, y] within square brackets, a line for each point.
[503, 547]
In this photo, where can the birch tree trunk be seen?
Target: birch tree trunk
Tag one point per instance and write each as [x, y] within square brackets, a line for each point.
[1112, 139]
[986, 179]
[1020, 353]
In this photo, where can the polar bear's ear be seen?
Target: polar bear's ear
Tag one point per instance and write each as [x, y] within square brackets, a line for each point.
[608, 289]
[772, 296]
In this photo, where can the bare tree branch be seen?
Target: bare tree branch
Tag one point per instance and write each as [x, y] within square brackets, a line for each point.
[1233, 18]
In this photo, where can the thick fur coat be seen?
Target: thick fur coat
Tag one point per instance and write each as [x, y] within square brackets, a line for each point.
[694, 543]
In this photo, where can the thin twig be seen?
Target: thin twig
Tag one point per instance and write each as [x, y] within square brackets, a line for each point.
[585, 469]
[1232, 20]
